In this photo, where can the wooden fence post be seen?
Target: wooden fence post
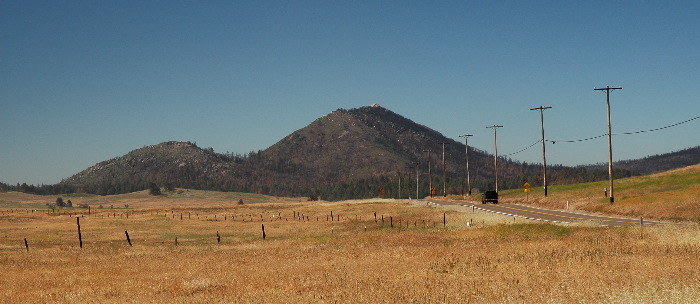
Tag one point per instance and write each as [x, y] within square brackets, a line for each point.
[263, 231]
[444, 220]
[26, 245]
[127, 237]
[80, 236]
[218, 238]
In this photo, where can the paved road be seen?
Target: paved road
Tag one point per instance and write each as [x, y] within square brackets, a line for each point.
[548, 215]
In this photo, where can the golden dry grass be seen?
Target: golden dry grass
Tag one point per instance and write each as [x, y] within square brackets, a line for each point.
[671, 195]
[315, 260]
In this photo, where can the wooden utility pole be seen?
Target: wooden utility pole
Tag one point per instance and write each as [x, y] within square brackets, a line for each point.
[399, 174]
[495, 152]
[444, 174]
[408, 180]
[430, 175]
[607, 90]
[416, 164]
[466, 144]
[544, 155]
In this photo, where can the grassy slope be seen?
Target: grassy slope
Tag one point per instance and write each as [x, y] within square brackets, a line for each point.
[180, 198]
[671, 195]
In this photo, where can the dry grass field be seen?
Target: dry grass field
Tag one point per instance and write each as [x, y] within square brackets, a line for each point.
[673, 195]
[308, 258]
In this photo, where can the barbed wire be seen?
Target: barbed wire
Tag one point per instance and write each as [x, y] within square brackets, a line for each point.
[624, 133]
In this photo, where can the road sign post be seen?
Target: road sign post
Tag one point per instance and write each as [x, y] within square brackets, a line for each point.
[527, 191]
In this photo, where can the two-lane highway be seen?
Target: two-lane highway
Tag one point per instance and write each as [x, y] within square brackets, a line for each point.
[548, 215]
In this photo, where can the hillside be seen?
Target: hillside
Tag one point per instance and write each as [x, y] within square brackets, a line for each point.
[668, 195]
[177, 163]
[374, 146]
[344, 154]
[664, 162]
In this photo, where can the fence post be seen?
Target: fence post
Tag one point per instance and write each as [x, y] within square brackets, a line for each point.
[263, 231]
[444, 220]
[26, 245]
[80, 236]
[218, 238]
[127, 237]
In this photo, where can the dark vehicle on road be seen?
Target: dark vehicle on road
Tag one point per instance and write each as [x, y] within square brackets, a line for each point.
[489, 197]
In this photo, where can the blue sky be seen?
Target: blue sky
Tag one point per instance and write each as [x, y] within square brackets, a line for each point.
[86, 81]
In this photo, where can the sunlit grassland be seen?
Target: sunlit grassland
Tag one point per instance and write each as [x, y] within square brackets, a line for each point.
[672, 195]
[309, 258]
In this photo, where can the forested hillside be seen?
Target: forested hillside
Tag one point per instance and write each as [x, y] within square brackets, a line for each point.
[364, 152]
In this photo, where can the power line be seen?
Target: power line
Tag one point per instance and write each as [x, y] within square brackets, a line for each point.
[577, 140]
[523, 150]
[624, 133]
[657, 129]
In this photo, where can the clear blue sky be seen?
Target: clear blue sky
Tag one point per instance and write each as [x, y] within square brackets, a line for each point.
[86, 81]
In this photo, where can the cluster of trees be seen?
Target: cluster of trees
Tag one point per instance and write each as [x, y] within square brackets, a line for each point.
[40, 190]
[61, 203]
[350, 188]
[273, 176]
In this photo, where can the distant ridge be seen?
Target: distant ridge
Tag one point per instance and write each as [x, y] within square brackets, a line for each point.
[662, 162]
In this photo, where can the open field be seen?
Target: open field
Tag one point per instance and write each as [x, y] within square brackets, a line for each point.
[308, 258]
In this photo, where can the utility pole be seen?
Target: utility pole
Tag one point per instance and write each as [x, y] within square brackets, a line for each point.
[416, 163]
[444, 175]
[399, 173]
[544, 156]
[466, 144]
[430, 175]
[607, 90]
[408, 180]
[495, 152]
